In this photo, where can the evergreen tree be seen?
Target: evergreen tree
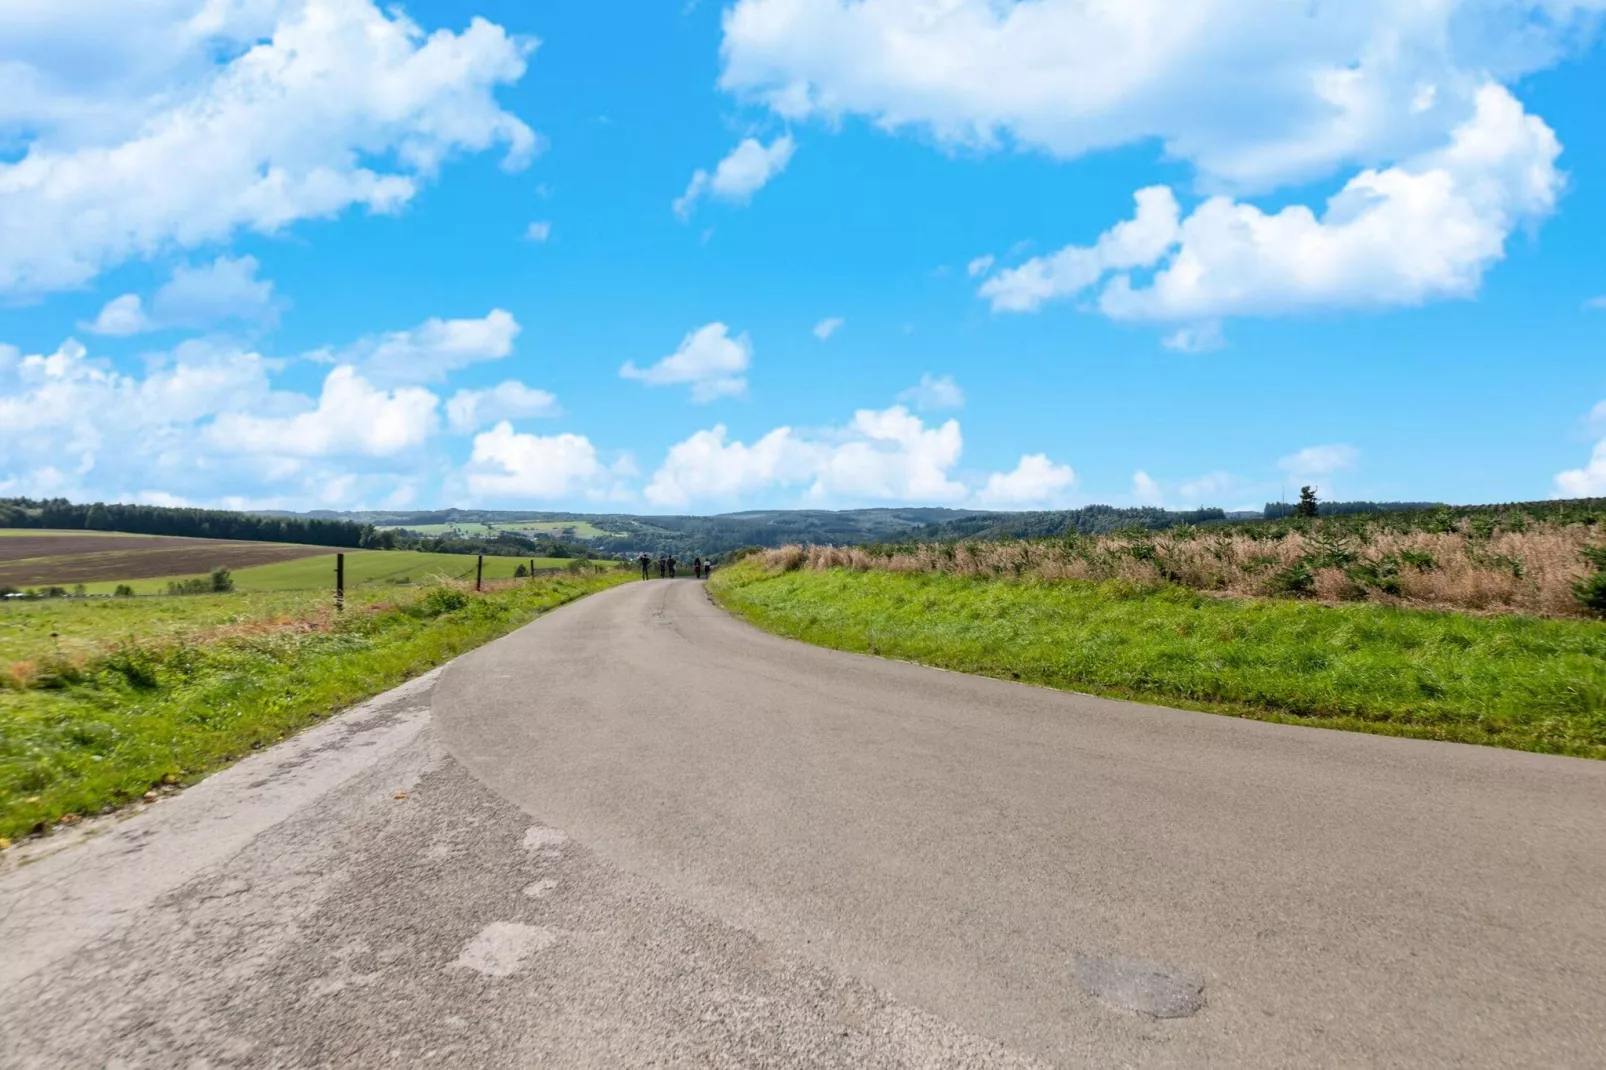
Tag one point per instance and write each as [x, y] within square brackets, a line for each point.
[1307, 502]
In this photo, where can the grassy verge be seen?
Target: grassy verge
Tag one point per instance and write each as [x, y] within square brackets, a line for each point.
[1509, 681]
[211, 677]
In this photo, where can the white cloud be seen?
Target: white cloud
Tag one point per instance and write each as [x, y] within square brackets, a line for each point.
[887, 455]
[429, 352]
[708, 358]
[195, 297]
[225, 289]
[1036, 480]
[1588, 481]
[71, 423]
[1203, 337]
[1145, 490]
[510, 465]
[739, 175]
[933, 393]
[1319, 460]
[1208, 489]
[979, 266]
[1136, 242]
[539, 231]
[351, 417]
[121, 316]
[469, 410]
[1426, 229]
[138, 139]
[828, 326]
[1253, 93]
[1596, 304]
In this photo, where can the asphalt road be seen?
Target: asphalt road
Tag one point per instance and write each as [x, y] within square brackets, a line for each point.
[639, 833]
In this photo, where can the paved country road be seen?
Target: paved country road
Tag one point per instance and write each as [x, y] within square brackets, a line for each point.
[639, 833]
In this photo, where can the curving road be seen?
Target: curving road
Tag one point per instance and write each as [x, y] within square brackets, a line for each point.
[638, 832]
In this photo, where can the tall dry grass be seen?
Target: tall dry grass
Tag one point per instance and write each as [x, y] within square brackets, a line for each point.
[1528, 571]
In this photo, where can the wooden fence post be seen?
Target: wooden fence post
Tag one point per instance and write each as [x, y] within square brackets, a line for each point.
[479, 572]
[340, 582]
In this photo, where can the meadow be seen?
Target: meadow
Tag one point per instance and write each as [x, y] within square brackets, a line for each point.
[101, 562]
[1502, 679]
[103, 700]
[363, 567]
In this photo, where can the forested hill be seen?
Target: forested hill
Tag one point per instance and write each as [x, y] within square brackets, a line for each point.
[194, 523]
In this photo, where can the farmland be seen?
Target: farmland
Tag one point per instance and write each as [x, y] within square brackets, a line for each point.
[31, 558]
[363, 567]
[103, 561]
[580, 529]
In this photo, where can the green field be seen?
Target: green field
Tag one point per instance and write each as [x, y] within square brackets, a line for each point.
[103, 699]
[1509, 680]
[389, 567]
[583, 529]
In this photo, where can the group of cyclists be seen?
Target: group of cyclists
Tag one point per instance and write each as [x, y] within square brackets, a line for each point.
[667, 564]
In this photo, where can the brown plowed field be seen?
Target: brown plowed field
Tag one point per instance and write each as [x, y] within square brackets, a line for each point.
[66, 558]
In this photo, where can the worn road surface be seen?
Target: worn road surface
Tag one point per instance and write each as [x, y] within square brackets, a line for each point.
[639, 833]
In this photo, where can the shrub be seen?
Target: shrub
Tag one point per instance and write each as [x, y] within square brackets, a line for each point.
[222, 580]
[1591, 592]
[1297, 579]
[123, 591]
[440, 600]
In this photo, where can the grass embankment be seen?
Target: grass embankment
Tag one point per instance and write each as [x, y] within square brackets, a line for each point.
[130, 694]
[1496, 563]
[1507, 680]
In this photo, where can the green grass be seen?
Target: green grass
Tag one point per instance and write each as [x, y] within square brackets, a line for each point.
[198, 681]
[1509, 680]
[362, 567]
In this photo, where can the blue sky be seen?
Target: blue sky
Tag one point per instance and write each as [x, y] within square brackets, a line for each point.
[696, 257]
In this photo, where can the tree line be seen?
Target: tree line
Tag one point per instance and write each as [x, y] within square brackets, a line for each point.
[59, 513]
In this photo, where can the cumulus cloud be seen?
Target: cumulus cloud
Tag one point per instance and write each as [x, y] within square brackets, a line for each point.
[1588, 481]
[745, 171]
[351, 416]
[934, 393]
[205, 422]
[429, 352]
[1319, 460]
[708, 359]
[140, 138]
[979, 266]
[1254, 93]
[885, 455]
[195, 297]
[469, 410]
[1426, 229]
[507, 464]
[70, 421]
[1036, 480]
[1145, 491]
[120, 317]
[828, 326]
[538, 231]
